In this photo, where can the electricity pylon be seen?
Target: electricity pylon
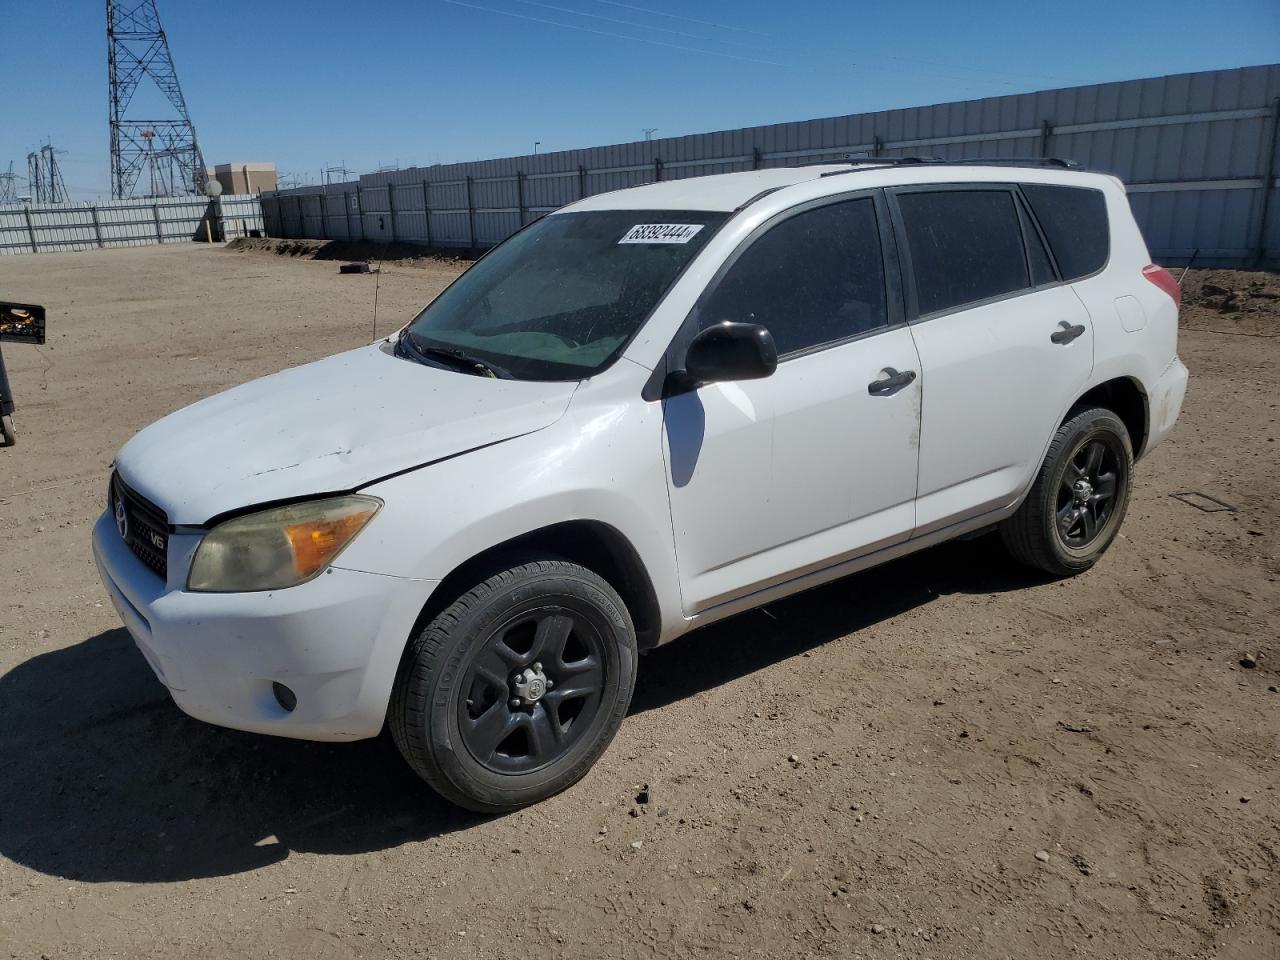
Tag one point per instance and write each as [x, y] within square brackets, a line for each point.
[35, 176]
[9, 185]
[43, 176]
[138, 49]
[55, 189]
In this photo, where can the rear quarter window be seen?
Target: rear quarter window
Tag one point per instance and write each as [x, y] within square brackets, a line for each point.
[1074, 220]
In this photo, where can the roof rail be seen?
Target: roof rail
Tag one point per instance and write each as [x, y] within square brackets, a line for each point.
[884, 162]
[1062, 162]
[863, 162]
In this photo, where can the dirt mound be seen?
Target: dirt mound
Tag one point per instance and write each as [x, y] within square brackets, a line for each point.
[285, 248]
[406, 253]
[1231, 301]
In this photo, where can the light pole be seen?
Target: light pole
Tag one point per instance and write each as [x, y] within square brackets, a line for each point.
[649, 132]
[536, 145]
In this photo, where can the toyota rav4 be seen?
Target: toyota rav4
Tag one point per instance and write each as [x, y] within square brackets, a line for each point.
[645, 412]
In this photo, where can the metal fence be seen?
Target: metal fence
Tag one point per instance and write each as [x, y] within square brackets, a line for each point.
[45, 228]
[1197, 150]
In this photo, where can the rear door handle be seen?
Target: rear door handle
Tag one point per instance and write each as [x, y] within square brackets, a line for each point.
[1066, 332]
[893, 382]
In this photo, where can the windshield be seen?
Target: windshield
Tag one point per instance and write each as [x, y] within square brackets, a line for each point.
[560, 299]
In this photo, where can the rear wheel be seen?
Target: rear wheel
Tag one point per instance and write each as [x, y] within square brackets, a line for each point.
[7, 437]
[512, 692]
[1079, 498]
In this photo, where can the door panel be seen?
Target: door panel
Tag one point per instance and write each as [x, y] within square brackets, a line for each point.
[1003, 346]
[996, 388]
[772, 478]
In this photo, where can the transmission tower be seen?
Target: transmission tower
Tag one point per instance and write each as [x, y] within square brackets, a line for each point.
[9, 185]
[55, 189]
[137, 49]
[35, 176]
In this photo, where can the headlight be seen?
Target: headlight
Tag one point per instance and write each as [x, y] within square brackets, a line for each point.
[280, 547]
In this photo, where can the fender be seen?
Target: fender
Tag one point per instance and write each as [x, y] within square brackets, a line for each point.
[601, 462]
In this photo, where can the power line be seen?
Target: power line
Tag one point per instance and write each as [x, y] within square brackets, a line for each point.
[616, 36]
[676, 16]
[637, 23]
[828, 49]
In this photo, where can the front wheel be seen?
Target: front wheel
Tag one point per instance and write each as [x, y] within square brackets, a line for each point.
[513, 691]
[1079, 498]
[7, 437]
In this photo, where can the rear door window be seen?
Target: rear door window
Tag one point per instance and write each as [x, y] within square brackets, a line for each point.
[965, 246]
[1074, 220]
[815, 278]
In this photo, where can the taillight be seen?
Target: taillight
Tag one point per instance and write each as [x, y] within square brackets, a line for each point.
[1163, 279]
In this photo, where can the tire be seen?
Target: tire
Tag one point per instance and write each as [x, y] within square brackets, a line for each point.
[487, 742]
[7, 437]
[1079, 498]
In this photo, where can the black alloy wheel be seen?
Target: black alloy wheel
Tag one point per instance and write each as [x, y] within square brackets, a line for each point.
[533, 690]
[1087, 492]
[1079, 498]
[516, 687]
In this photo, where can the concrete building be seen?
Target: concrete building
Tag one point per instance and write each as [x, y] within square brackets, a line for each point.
[244, 178]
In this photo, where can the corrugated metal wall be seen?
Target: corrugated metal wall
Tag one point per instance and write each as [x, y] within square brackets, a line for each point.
[45, 228]
[1197, 150]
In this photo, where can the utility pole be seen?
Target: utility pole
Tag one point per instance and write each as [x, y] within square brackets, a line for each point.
[9, 185]
[138, 49]
[649, 132]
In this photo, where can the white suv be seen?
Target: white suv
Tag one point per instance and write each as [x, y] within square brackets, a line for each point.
[643, 413]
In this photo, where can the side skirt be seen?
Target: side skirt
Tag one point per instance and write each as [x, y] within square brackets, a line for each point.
[974, 526]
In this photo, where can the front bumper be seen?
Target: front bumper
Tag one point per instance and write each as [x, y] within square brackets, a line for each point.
[335, 641]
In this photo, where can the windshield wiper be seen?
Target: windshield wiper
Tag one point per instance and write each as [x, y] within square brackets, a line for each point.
[458, 359]
[465, 361]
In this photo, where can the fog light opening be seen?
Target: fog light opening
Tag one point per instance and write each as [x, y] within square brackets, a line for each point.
[287, 699]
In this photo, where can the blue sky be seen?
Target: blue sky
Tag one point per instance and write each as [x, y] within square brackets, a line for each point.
[321, 83]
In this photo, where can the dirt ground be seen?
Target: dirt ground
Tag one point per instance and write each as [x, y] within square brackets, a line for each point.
[943, 758]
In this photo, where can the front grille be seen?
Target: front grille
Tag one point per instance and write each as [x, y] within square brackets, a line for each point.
[144, 526]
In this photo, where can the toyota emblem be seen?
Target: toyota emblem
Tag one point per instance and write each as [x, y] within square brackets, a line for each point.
[122, 519]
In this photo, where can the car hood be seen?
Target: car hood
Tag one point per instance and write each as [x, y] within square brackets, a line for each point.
[333, 425]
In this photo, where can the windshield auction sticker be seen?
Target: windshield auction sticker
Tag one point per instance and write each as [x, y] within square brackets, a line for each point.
[661, 233]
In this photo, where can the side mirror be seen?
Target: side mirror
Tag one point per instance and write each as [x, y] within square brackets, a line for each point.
[21, 323]
[728, 351]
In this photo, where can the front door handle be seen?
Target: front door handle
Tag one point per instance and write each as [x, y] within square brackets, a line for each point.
[893, 382]
[1066, 332]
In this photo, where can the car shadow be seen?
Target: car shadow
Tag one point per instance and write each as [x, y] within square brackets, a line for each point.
[787, 628]
[104, 779]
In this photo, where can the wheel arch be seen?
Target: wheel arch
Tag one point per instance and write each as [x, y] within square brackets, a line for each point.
[596, 545]
[1125, 397]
